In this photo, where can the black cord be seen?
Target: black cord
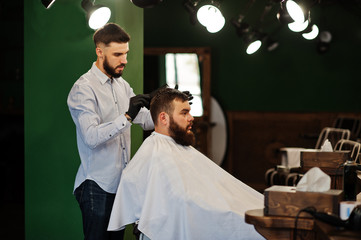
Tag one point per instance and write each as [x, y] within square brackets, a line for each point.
[308, 210]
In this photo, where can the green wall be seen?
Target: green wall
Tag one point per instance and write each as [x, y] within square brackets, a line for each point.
[294, 77]
[58, 50]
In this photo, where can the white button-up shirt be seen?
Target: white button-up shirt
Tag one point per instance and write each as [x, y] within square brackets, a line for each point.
[97, 105]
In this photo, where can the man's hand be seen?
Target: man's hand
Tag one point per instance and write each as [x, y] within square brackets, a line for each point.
[136, 103]
[189, 95]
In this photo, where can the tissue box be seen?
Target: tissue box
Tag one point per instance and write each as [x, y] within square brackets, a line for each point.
[328, 162]
[286, 201]
[324, 160]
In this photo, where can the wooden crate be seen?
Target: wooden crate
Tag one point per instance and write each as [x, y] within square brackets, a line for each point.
[286, 201]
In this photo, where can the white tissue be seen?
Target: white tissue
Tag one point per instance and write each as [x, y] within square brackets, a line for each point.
[326, 146]
[315, 180]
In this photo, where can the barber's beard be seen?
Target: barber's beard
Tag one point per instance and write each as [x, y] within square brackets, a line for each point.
[181, 135]
[110, 70]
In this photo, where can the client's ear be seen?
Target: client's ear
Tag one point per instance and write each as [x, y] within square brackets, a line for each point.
[99, 52]
[163, 119]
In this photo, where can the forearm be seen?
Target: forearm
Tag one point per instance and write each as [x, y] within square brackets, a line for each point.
[94, 133]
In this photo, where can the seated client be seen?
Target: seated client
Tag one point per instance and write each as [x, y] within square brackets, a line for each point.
[175, 192]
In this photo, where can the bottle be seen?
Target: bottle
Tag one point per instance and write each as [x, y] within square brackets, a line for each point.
[349, 180]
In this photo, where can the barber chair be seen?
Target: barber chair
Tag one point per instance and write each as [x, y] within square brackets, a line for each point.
[351, 123]
[289, 175]
[333, 135]
[353, 146]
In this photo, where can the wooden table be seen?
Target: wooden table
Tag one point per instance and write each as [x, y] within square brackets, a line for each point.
[282, 228]
[325, 231]
[279, 228]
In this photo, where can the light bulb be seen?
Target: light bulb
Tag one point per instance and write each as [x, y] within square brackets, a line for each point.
[295, 11]
[253, 47]
[298, 27]
[217, 24]
[99, 17]
[311, 35]
[203, 14]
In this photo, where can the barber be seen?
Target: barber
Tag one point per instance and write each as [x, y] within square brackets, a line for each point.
[103, 106]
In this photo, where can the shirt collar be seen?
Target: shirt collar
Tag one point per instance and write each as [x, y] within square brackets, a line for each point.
[101, 76]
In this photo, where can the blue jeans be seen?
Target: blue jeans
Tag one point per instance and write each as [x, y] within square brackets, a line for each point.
[96, 206]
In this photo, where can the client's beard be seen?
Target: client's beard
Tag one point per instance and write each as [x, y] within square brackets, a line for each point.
[180, 135]
[110, 70]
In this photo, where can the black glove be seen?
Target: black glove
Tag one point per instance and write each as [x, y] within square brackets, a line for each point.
[136, 103]
[189, 95]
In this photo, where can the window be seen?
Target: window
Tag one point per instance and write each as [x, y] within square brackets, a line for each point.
[183, 69]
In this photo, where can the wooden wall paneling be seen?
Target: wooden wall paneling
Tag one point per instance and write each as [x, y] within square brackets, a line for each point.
[256, 137]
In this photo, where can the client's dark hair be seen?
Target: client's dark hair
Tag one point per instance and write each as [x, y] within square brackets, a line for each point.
[162, 102]
[110, 32]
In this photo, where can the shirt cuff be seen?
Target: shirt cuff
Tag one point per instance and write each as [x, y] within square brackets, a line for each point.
[122, 122]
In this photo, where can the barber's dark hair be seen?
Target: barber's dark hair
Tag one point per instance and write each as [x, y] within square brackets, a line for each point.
[163, 102]
[110, 32]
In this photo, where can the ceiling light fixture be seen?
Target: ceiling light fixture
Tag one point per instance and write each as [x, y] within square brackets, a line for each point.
[97, 15]
[241, 27]
[283, 16]
[250, 37]
[323, 44]
[47, 3]
[254, 37]
[254, 42]
[207, 14]
[295, 11]
[257, 38]
[271, 44]
[211, 17]
[191, 8]
[253, 47]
